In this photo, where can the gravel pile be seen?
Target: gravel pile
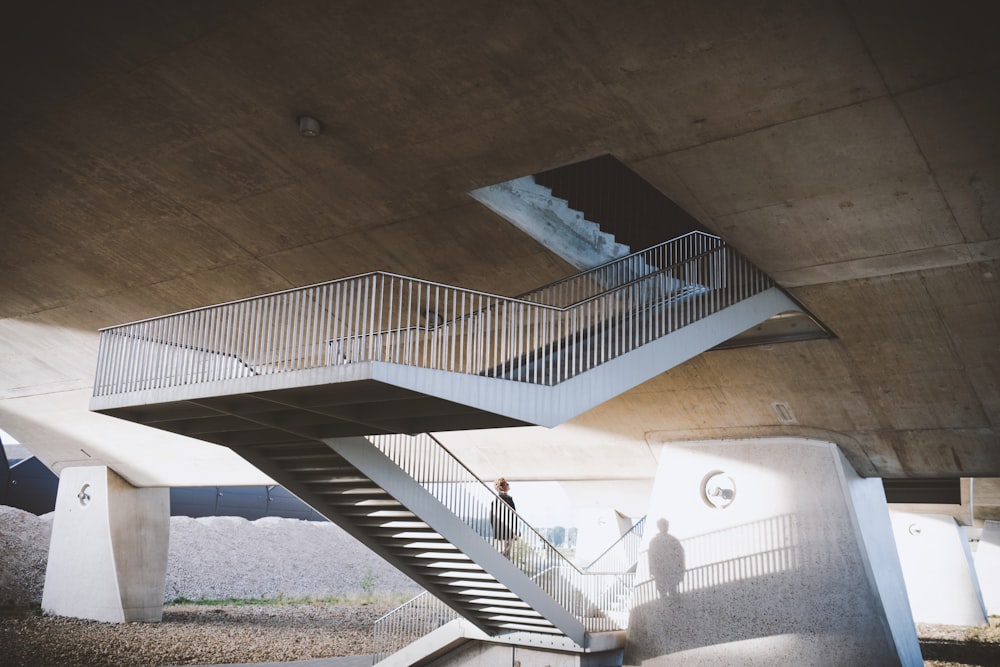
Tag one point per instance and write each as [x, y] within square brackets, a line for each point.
[220, 558]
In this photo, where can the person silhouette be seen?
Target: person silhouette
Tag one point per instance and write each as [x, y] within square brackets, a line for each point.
[666, 560]
[502, 517]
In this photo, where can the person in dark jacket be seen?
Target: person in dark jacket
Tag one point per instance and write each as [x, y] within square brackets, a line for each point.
[502, 517]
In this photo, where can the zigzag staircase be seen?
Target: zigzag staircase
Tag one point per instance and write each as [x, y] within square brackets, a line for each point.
[309, 385]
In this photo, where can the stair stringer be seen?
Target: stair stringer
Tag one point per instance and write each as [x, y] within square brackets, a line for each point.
[364, 456]
[551, 405]
[318, 503]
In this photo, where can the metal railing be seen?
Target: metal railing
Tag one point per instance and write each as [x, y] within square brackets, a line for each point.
[644, 263]
[478, 506]
[545, 337]
[623, 554]
[409, 622]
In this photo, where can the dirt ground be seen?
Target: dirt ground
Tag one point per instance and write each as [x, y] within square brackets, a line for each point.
[956, 645]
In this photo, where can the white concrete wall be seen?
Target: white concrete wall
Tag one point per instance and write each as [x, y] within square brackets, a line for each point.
[787, 566]
[938, 570]
[597, 529]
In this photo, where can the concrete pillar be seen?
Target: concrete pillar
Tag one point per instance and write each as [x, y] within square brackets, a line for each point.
[108, 554]
[937, 566]
[988, 566]
[768, 551]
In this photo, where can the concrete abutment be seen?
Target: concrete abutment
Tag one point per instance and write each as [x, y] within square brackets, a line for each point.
[108, 554]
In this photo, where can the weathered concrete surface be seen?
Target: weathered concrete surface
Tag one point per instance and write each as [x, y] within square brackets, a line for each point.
[767, 547]
[150, 162]
[108, 554]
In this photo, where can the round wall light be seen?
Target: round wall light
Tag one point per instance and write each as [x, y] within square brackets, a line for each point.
[718, 489]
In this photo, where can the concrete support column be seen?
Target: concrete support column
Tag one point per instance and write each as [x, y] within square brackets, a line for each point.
[108, 554]
[937, 566]
[988, 566]
[768, 551]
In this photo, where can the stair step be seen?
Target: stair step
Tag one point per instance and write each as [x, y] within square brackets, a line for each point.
[462, 568]
[520, 620]
[493, 611]
[426, 555]
[482, 589]
[506, 604]
[390, 523]
[376, 512]
[518, 627]
[388, 538]
[441, 547]
[331, 475]
[358, 500]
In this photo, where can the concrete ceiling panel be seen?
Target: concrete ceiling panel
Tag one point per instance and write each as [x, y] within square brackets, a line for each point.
[694, 74]
[830, 154]
[955, 125]
[923, 42]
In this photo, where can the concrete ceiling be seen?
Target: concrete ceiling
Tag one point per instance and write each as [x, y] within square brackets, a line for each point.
[150, 162]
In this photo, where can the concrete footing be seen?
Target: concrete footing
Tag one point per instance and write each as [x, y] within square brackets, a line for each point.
[108, 554]
[771, 550]
[937, 566]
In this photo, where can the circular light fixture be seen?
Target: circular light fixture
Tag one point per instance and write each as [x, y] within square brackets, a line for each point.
[309, 126]
[718, 489]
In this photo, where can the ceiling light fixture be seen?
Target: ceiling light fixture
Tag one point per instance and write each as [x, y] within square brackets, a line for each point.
[309, 126]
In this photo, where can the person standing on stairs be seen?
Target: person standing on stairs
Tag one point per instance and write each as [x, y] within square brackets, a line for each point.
[502, 517]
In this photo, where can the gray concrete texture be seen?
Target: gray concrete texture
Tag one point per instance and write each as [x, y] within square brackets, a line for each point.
[150, 162]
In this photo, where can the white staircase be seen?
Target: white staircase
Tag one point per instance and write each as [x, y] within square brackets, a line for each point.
[308, 384]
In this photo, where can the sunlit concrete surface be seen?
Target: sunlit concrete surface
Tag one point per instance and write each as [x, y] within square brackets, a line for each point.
[771, 547]
[937, 565]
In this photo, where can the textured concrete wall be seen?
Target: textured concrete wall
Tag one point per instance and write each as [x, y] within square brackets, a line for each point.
[938, 570]
[754, 550]
[108, 554]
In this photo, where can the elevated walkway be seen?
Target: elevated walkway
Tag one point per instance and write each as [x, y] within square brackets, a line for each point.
[381, 353]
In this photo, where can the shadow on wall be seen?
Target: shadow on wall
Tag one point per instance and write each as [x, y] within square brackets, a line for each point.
[741, 583]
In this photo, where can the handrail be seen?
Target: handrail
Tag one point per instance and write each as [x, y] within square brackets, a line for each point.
[447, 479]
[572, 289]
[386, 317]
[623, 554]
[415, 618]
[427, 461]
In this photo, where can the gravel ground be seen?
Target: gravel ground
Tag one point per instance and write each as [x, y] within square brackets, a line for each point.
[231, 558]
[192, 635]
